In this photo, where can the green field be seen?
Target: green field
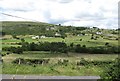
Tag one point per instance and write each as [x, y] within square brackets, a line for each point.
[86, 40]
[52, 69]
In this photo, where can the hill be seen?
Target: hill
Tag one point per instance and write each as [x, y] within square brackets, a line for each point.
[39, 28]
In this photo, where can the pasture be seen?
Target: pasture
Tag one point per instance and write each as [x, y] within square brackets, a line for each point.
[86, 40]
[52, 68]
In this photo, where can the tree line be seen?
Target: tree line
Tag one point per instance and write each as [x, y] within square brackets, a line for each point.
[62, 47]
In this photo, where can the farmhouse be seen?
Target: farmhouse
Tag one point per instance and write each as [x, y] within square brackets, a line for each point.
[42, 36]
[50, 28]
[79, 34]
[35, 37]
[57, 35]
[98, 33]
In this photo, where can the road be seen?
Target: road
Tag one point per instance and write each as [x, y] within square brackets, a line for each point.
[48, 78]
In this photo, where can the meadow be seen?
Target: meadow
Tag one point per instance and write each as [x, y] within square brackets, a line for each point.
[71, 69]
[86, 40]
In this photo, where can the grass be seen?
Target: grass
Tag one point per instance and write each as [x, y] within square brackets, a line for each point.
[47, 70]
[71, 69]
[86, 40]
[52, 69]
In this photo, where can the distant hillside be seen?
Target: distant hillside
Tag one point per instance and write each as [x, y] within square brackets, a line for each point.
[39, 28]
[34, 28]
[23, 27]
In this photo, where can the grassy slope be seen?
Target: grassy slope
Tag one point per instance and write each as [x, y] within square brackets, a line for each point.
[23, 27]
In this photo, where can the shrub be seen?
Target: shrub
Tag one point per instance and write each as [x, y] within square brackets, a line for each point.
[106, 43]
[63, 61]
[112, 72]
[31, 61]
[80, 39]
[82, 62]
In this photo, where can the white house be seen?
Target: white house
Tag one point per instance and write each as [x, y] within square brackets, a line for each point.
[57, 34]
[98, 33]
[35, 37]
[42, 36]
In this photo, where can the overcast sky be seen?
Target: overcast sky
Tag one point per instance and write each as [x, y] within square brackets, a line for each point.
[100, 13]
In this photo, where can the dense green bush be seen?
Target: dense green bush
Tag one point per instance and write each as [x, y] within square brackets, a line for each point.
[84, 62]
[31, 61]
[46, 46]
[17, 50]
[112, 72]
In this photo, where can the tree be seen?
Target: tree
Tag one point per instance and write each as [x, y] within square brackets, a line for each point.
[106, 43]
[63, 36]
[77, 48]
[71, 44]
[2, 33]
[59, 24]
[84, 46]
[17, 50]
[92, 37]
[80, 39]
[22, 40]
[33, 46]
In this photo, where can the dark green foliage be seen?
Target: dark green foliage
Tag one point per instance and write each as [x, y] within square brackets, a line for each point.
[80, 49]
[58, 47]
[61, 47]
[84, 62]
[92, 37]
[112, 72]
[22, 40]
[2, 33]
[71, 44]
[84, 46]
[31, 61]
[106, 43]
[17, 50]
[80, 39]
[46, 46]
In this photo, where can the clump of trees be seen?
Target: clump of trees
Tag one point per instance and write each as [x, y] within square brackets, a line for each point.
[45, 46]
[62, 47]
[17, 50]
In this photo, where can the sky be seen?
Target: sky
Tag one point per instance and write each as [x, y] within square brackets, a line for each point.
[98, 13]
